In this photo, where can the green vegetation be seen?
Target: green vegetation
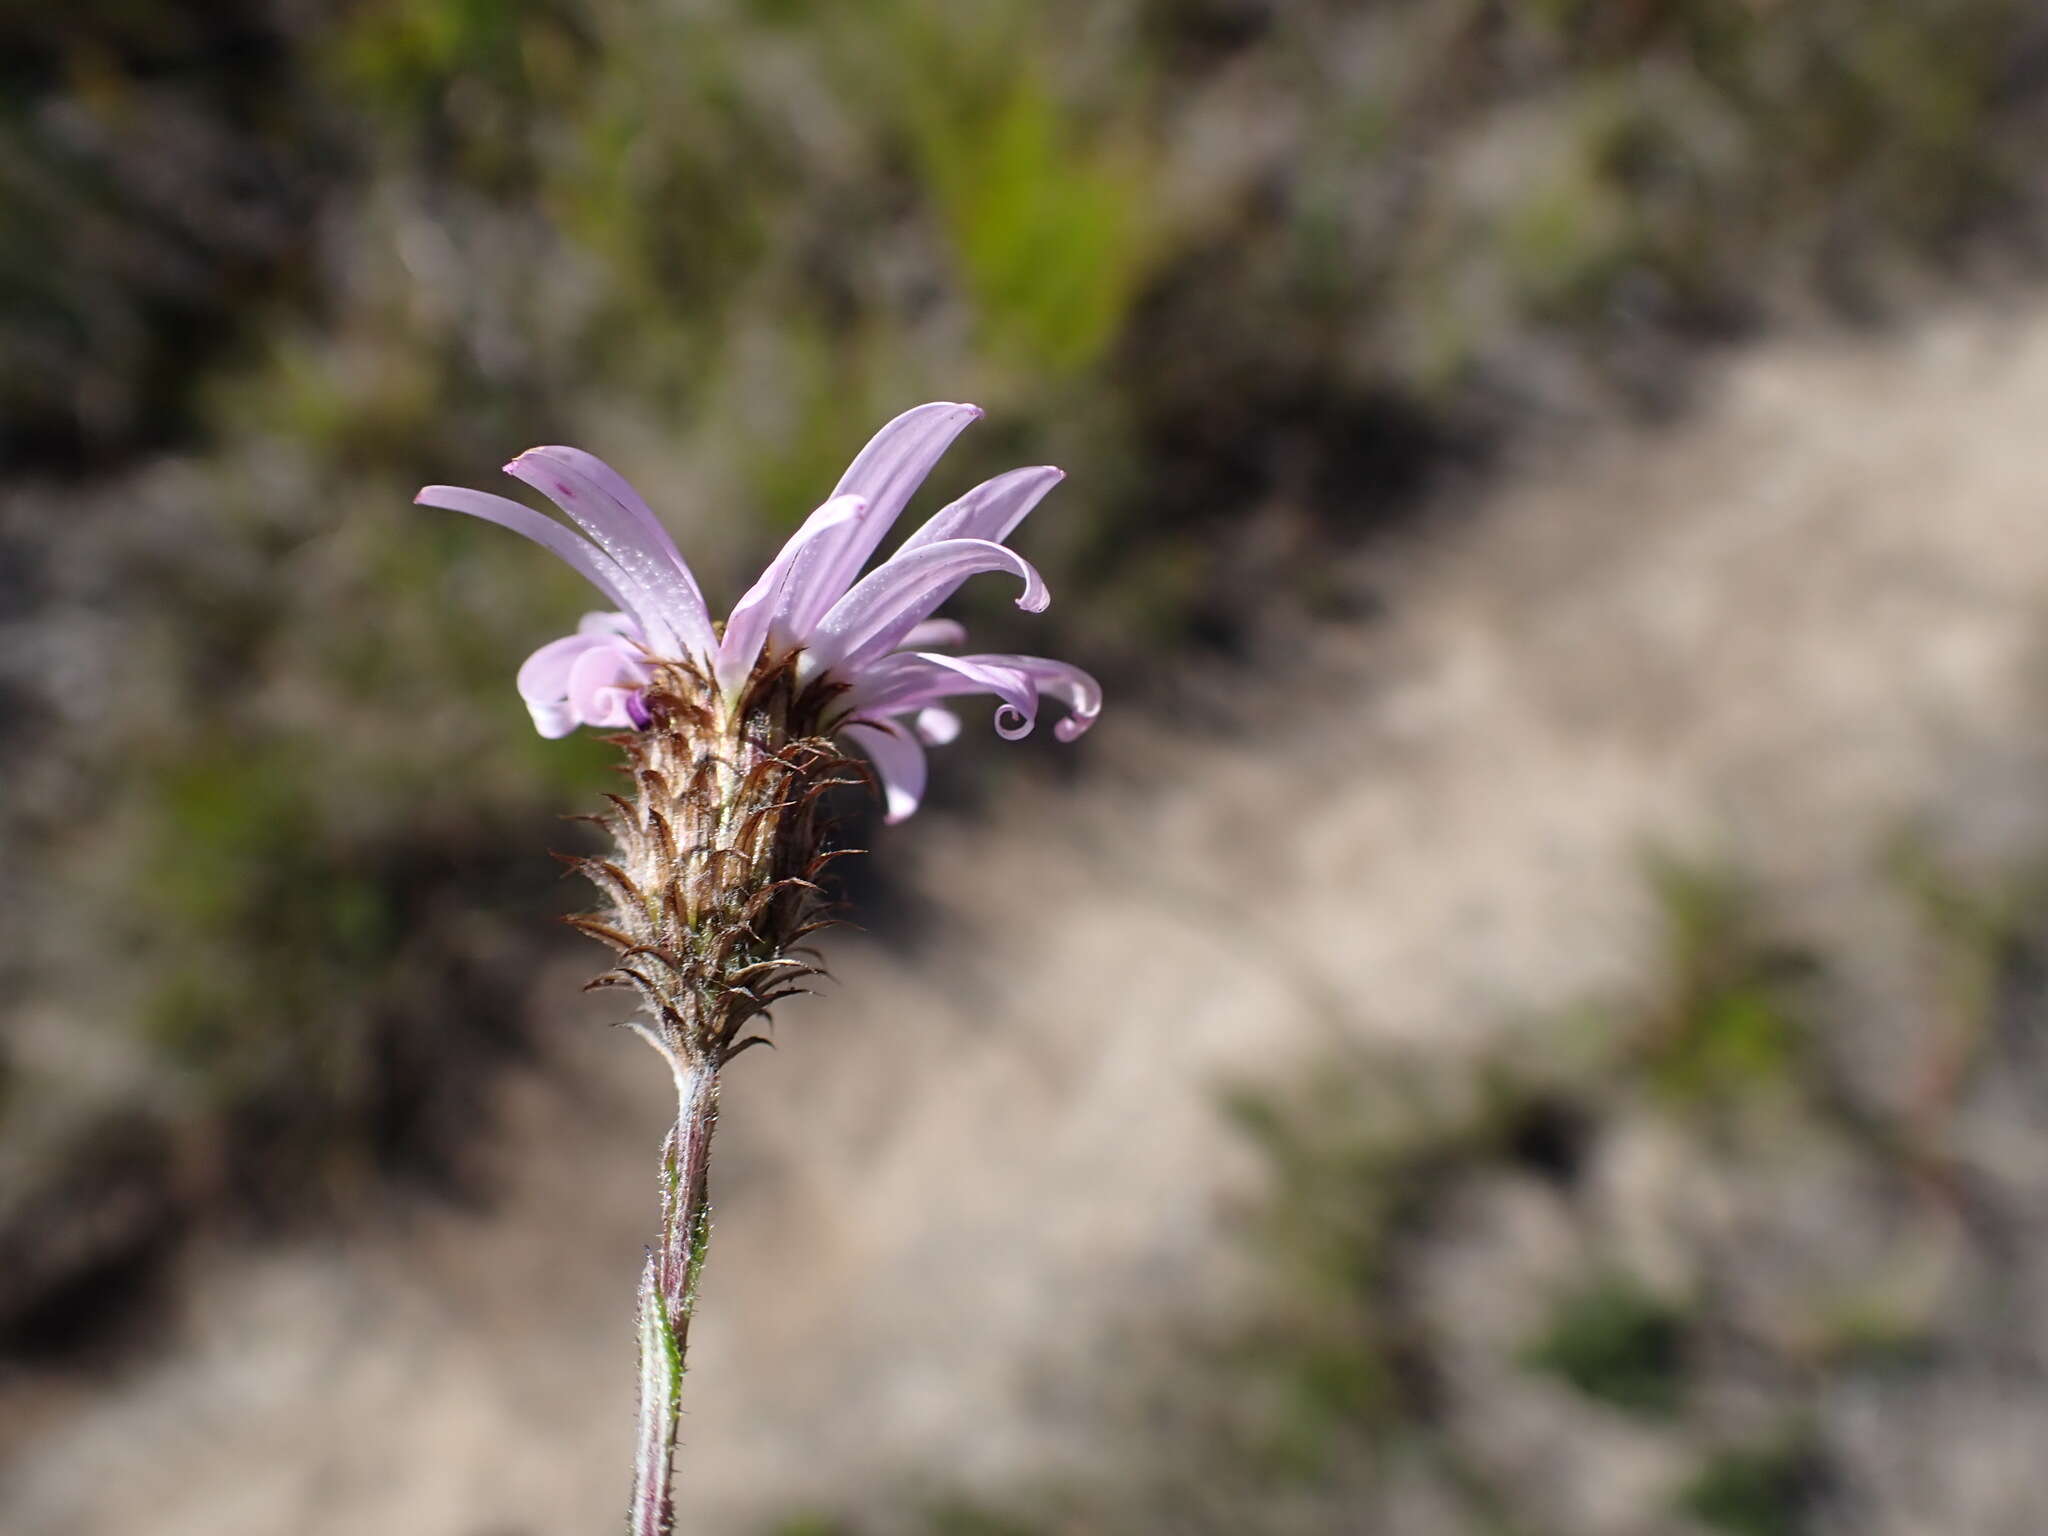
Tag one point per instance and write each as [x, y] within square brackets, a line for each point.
[1731, 1015]
[1618, 1343]
[1052, 231]
[1757, 1492]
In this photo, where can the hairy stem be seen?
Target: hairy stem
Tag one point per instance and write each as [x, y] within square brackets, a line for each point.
[668, 1294]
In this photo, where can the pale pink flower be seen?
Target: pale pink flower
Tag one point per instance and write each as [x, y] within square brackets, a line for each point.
[874, 633]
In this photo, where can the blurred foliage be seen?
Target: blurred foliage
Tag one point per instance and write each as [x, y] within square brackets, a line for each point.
[1731, 1019]
[1249, 271]
[156, 170]
[1453, 1326]
[754, 223]
[1758, 1492]
[1616, 1341]
[1049, 221]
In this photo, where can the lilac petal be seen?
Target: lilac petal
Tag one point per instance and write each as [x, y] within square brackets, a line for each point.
[600, 681]
[553, 721]
[885, 679]
[931, 632]
[608, 624]
[936, 727]
[891, 599]
[615, 485]
[886, 472]
[904, 682]
[544, 676]
[627, 531]
[767, 600]
[1076, 689]
[589, 678]
[544, 683]
[899, 764]
[588, 561]
[991, 510]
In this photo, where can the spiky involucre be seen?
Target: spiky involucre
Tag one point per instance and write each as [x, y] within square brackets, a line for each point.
[714, 882]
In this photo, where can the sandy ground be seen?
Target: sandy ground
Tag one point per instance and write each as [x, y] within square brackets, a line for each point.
[1812, 611]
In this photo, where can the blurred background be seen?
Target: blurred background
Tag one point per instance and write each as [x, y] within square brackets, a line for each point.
[1528, 1016]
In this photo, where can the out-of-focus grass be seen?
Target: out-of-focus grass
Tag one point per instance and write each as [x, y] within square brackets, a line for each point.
[1246, 270]
[1051, 217]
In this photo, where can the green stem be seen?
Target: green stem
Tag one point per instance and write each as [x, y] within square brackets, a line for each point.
[668, 1293]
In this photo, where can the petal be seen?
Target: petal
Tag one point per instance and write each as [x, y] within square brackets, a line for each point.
[628, 531]
[614, 485]
[607, 624]
[931, 632]
[1076, 689]
[989, 511]
[585, 558]
[544, 676]
[553, 721]
[913, 681]
[599, 682]
[891, 599]
[584, 679]
[936, 727]
[767, 599]
[886, 472]
[899, 764]
[544, 683]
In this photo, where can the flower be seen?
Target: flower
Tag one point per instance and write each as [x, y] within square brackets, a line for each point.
[871, 637]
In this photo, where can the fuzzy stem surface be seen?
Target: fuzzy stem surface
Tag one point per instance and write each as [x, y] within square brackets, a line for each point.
[668, 1295]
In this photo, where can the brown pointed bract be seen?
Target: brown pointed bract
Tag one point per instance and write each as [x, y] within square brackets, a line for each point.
[713, 880]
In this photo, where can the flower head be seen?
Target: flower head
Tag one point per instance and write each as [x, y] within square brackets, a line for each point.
[866, 647]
